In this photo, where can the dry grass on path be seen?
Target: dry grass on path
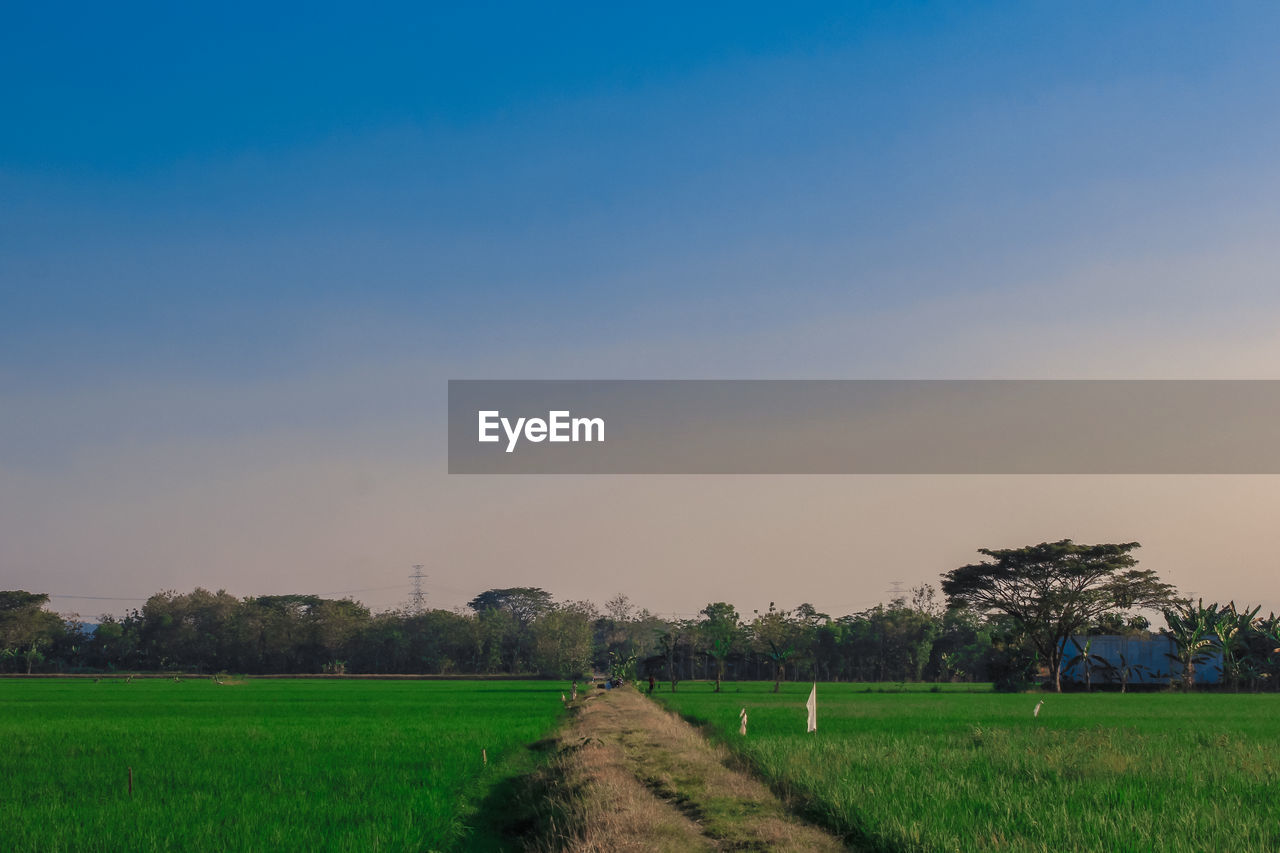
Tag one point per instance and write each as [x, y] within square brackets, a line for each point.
[630, 776]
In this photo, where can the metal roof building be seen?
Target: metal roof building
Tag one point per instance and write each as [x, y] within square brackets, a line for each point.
[1144, 659]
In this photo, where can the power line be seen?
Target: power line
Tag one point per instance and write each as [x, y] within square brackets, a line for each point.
[145, 597]
[97, 597]
[366, 589]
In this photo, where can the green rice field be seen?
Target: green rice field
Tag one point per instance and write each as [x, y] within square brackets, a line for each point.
[398, 765]
[260, 764]
[957, 771]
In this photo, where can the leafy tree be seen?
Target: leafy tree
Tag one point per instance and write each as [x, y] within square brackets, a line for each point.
[279, 632]
[1119, 624]
[525, 604]
[334, 626]
[500, 640]
[620, 609]
[1011, 660]
[668, 643]
[776, 634]
[111, 645]
[924, 599]
[383, 646]
[963, 645]
[562, 640]
[26, 627]
[1054, 589]
[622, 633]
[806, 620]
[439, 641]
[828, 640]
[720, 630]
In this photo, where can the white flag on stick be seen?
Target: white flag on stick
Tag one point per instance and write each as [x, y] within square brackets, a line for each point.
[743, 716]
[812, 705]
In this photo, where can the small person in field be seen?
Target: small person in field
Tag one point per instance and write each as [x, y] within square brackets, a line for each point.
[652, 684]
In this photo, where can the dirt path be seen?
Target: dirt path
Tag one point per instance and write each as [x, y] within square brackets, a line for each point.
[630, 776]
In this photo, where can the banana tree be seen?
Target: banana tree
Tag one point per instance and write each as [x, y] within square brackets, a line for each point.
[1086, 660]
[1232, 627]
[1264, 644]
[779, 655]
[1124, 671]
[1192, 631]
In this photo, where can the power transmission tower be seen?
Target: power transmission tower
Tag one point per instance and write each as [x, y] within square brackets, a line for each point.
[417, 598]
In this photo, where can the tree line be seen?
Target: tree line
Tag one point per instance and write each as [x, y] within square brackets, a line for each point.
[1007, 619]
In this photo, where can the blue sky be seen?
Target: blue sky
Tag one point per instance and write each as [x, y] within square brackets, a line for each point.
[237, 241]
[184, 185]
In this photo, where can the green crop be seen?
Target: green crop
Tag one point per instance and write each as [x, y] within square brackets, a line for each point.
[258, 765]
[957, 771]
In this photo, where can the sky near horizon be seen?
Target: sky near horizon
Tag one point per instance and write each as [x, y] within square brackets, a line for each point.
[242, 250]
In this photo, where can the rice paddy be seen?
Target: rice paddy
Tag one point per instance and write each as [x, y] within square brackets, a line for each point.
[957, 771]
[426, 765]
[260, 765]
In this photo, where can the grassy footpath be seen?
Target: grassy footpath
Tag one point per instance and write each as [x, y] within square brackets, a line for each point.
[625, 776]
[955, 771]
[259, 765]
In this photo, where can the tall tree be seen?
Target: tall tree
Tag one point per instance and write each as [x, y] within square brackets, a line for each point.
[562, 640]
[777, 634]
[1053, 589]
[720, 629]
[23, 618]
[525, 604]
[669, 639]
[26, 627]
